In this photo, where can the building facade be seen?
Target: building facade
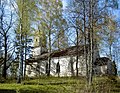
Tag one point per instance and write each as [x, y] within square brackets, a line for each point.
[66, 58]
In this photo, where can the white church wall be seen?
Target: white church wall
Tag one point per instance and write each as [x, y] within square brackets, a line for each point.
[65, 69]
[63, 61]
[31, 70]
[37, 51]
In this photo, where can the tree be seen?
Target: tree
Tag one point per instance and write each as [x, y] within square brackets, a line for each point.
[5, 29]
[60, 39]
[111, 30]
[51, 21]
[91, 39]
[116, 46]
[92, 15]
[26, 12]
[114, 69]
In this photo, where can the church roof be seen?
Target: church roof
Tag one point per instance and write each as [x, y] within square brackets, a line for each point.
[63, 52]
[102, 61]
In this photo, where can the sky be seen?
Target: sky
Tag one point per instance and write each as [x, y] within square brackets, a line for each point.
[64, 3]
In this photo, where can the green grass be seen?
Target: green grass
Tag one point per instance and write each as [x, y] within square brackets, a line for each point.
[54, 81]
[38, 88]
[63, 85]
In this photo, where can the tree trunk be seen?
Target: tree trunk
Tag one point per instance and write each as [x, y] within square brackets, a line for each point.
[5, 59]
[77, 66]
[20, 76]
[49, 57]
[91, 42]
[25, 56]
[77, 34]
[71, 64]
[49, 66]
[85, 46]
[110, 50]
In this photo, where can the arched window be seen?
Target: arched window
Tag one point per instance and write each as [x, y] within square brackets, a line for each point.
[36, 40]
[58, 68]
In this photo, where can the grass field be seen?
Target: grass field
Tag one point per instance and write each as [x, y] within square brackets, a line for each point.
[62, 85]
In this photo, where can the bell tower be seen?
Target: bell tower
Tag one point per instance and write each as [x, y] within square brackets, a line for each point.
[40, 39]
[39, 43]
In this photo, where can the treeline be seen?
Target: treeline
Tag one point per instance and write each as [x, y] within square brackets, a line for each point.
[81, 22]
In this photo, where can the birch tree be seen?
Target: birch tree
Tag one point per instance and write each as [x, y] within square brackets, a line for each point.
[92, 14]
[26, 11]
[51, 20]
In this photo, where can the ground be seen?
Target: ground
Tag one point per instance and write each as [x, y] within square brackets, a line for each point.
[62, 85]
